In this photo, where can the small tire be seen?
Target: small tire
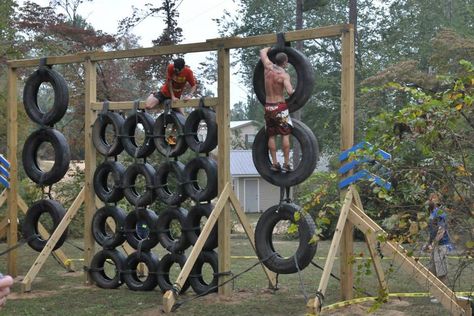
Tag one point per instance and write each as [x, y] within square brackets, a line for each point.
[264, 239]
[167, 240]
[159, 133]
[128, 135]
[98, 274]
[99, 137]
[163, 274]
[130, 191]
[164, 191]
[62, 156]
[306, 166]
[147, 217]
[30, 96]
[191, 185]
[31, 222]
[304, 72]
[106, 193]
[131, 278]
[100, 227]
[198, 284]
[191, 128]
[192, 226]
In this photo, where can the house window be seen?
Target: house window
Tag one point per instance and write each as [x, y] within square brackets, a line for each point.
[249, 139]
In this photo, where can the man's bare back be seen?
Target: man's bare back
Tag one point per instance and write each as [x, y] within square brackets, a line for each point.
[276, 80]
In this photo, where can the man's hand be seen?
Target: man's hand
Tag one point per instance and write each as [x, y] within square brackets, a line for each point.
[5, 283]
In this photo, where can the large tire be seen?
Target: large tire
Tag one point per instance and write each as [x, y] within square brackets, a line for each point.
[164, 191]
[105, 192]
[100, 231]
[131, 277]
[309, 157]
[30, 96]
[62, 156]
[167, 240]
[30, 225]
[192, 226]
[164, 268]
[304, 72]
[191, 129]
[197, 281]
[192, 187]
[149, 218]
[99, 137]
[264, 239]
[128, 135]
[130, 191]
[98, 274]
[159, 133]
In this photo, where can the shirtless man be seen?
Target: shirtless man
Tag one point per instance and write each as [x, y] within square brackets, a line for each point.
[277, 116]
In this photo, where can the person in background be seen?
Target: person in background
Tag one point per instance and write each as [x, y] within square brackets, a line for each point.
[277, 116]
[5, 283]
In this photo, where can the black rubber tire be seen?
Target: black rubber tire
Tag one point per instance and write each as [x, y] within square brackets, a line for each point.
[191, 185]
[128, 135]
[164, 230]
[97, 273]
[163, 191]
[164, 268]
[305, 77]
[131, 277]
[309, 151]
[102, 189]
[159, 133]
[62, 156]
[192, 226]
[196, 280]
[30, 96]
[150, 218]
[264, 239]
[100, 228]
[191, 129]
[98, 133]
[133, 196]
[30, 224]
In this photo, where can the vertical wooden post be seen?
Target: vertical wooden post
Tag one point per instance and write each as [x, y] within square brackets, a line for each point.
[90, 163]
[12, 145]
[223, 123]
[347, 141]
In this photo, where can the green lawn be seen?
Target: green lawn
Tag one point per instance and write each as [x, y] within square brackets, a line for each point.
[57, 292]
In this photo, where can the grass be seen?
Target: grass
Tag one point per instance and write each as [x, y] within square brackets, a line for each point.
[56, 292]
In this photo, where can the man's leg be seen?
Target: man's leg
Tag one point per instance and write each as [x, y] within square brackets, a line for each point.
[151, 101]
[272, 149]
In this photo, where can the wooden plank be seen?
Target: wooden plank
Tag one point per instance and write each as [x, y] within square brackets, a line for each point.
[41, 259]
[347, 141]
[50, 60]
[169, 297]
[12, 149]
[128, 105]
[4, 226]
[272, 277]
[3, 196]
[90, 164]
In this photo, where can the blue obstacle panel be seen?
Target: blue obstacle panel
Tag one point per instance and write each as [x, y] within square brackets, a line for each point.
[364, 145]
[364, 175]
[4, 162]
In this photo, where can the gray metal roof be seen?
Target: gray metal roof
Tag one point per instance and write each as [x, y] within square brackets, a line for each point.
[241, 163]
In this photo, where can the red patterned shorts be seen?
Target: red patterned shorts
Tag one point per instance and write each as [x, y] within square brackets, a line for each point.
[277, 119]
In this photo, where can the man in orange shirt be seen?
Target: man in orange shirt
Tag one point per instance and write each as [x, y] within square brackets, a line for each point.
[177, 75]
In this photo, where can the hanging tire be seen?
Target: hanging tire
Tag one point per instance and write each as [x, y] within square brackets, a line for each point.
[97, 269]
[165, 233]
[143, 217]
[309, 157]
[164, 191]
[128, 135]
[132, 194]
[164, 268]
[264, 239]
[133, 280]
[62, 156]
[198, 284]
[192, 226]
[192, 187]
[192, 127]
[105, 192]
[304, 73]
[99, 137]
[159, 133]
[31, 222]
[30, 96]
[102, 235]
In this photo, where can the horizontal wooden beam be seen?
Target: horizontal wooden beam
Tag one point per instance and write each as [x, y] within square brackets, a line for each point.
[128, 105]
[209, 45]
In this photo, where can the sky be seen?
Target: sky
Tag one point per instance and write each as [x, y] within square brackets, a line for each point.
[195, 18]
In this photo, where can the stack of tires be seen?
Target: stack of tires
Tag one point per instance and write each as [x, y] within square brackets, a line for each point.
[32, 150]
[169, 182]
[285, 210]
